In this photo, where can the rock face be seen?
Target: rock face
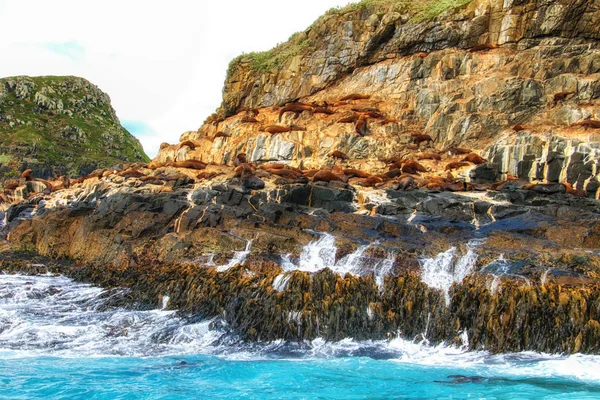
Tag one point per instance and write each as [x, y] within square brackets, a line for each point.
[471, 78]
[300, 261]
[60, 126]
[376, 244]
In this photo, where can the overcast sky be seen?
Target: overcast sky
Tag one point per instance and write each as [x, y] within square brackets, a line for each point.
[162, 63]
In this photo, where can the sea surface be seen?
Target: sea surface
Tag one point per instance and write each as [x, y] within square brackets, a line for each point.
[62, 339]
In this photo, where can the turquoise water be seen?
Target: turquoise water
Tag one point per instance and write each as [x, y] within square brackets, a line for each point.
[60, 339]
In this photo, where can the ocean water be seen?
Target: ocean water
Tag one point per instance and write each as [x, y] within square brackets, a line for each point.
[62, 339]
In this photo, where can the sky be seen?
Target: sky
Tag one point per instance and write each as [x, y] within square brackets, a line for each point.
[162, 63]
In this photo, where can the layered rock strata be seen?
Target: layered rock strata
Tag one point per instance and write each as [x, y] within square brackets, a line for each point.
[517, 82]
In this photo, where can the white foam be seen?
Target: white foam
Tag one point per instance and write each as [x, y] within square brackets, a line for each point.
[321, 254]
[239, 257]
[54, 316]
[448, 267]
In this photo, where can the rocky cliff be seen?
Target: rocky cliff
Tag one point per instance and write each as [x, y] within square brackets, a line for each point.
[515, 81]
[301, 261]
[353, 208]
[60, 126]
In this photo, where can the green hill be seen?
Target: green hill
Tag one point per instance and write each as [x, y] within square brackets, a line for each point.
[60, 125]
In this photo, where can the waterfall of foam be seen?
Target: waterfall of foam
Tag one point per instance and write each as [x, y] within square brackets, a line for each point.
[165, 302]
[321, 254]
[239, 257]
[502, 267]
[446, 268]
[318, 255]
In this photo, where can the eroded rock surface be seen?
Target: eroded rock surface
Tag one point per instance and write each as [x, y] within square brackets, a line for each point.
[509, 80]
[259, 259]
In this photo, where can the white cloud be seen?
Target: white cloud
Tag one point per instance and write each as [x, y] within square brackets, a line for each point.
[162, 63]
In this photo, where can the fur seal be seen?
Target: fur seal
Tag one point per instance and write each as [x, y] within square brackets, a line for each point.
[406, 183]
[361, 126]
[351, 173]
[428, 156]
[296, 108]
[27, 175]
[573, 191]
[207, 175]
[519, 128]
[326, 176]
[370, 181]
[130, 173]
[239, 159]
[560, 97]
[355, 96]
[221, 134]
[323, 110]
[243, 170]
[247, 119]
[392, 173]
[288, 173]
[273, 166]
[588, 123]
[338, 154]
[411, 167]
[276, 129]
[190, 164]
[456, 165]
[418, 139]
[187, 143]
[483, 47]
[474, 158]
[310, 172]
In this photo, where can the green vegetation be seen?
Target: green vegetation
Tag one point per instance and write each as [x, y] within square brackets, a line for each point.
[364, 4]
[265, 61]
[73, 131]
[270, 60]
[420, 10]
[432, 8]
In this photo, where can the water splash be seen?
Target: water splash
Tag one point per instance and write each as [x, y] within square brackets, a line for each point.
[448, 268]
[49, 316]
[280, 282]
[544, 277]
[318, 255]
[55, 316]
[502, 267]
[165, 302]
[239, 257]
[321, 254]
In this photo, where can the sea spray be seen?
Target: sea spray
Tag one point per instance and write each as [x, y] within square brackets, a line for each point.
[48, 318]
[321, 254]
[447, 268]
[239, 257]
